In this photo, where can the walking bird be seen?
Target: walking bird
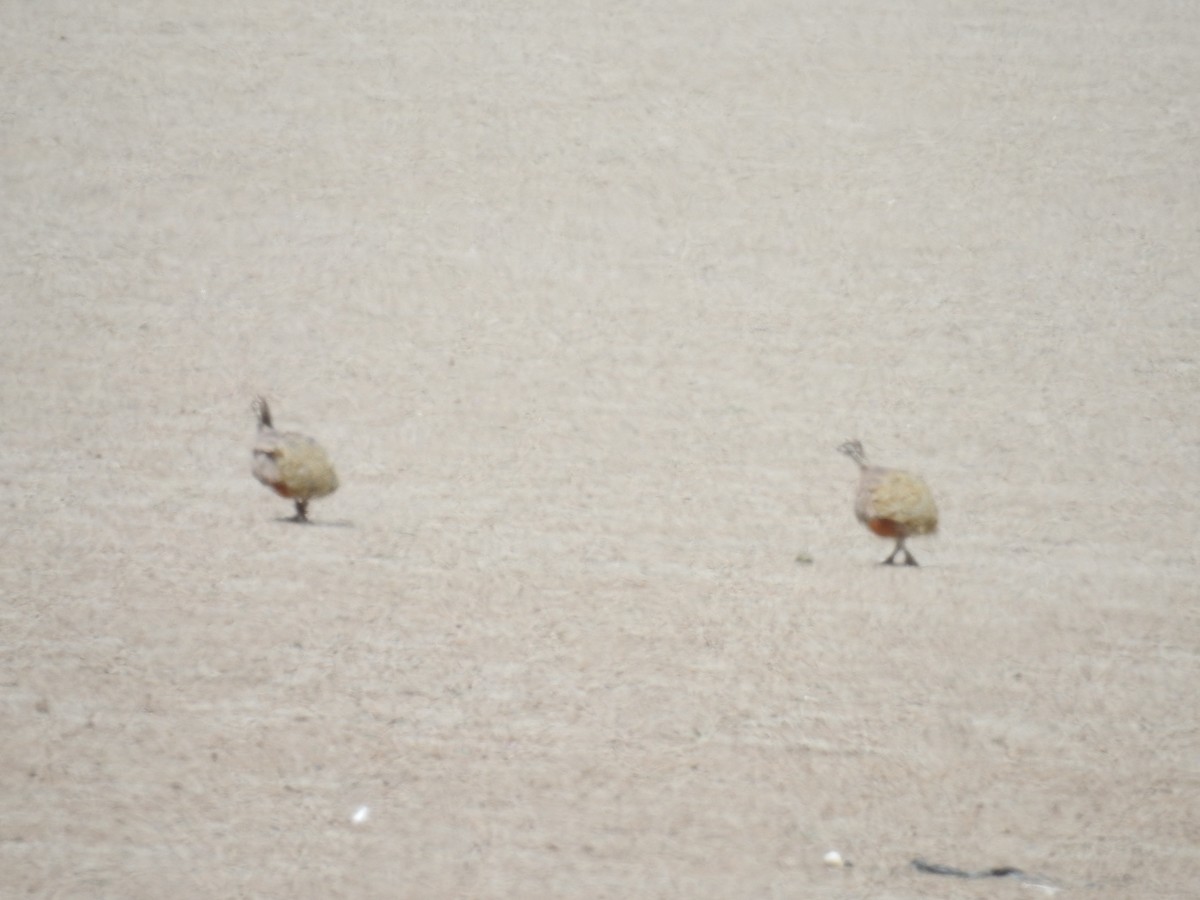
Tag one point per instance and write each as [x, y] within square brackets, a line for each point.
[293, 465]
[892, 503]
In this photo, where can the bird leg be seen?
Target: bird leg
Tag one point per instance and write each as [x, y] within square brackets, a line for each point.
[909, 559]
[301, 512]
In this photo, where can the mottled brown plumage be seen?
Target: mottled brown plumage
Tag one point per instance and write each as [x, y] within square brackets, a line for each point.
[293, 465]
[892, 503]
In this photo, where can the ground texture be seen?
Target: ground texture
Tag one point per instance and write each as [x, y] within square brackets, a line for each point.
[581, 298]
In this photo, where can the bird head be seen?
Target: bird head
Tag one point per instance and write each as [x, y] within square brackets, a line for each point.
[854, 450]
[262, 411]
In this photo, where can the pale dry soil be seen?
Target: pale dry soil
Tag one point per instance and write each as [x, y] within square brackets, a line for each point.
[581, 298]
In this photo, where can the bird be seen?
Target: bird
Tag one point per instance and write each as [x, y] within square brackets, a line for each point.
[892, 503]
[291, 464]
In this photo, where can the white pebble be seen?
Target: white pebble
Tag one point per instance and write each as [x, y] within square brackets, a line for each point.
[361, 814]
[834, 859]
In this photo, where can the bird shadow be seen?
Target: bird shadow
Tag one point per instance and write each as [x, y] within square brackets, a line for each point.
[320, 523]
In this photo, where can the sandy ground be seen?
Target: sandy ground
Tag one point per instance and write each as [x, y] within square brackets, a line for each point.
[581, 297]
